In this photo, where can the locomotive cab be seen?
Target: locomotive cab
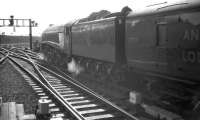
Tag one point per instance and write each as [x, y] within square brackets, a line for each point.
[53, 45]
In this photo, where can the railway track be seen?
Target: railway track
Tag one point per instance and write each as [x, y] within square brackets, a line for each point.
[65, 96]
[3, 55]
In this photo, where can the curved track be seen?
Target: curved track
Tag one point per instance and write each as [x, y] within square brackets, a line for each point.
[71, 97]
[3, 55]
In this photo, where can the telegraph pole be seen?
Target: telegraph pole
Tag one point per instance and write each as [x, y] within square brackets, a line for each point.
[15, 23]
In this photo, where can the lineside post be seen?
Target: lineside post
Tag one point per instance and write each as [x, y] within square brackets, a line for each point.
[30, 33]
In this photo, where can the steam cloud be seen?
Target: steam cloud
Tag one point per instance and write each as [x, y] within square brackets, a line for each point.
[75, 68]
[41, 56]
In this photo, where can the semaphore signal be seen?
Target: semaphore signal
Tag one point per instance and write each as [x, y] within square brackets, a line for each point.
[19, 23]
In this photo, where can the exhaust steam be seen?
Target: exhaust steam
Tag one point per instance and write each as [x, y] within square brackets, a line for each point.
[74, 67]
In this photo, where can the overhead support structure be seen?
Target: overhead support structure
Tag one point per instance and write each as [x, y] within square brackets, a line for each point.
[19, 23]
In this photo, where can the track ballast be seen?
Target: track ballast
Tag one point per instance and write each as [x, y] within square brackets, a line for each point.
[66, 97]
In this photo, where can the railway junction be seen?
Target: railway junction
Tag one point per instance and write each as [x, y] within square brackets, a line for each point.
[140, 64]
[28, 83]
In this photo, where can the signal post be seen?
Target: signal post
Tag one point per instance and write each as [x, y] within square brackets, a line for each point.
[19, 23]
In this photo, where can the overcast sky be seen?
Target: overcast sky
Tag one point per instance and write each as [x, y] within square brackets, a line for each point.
[47, 12]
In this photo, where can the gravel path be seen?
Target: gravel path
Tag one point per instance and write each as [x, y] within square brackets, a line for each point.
[13, 88]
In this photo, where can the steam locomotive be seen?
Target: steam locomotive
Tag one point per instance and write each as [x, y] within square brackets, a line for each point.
[156, 49]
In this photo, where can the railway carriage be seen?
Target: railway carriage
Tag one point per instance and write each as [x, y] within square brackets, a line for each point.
[168, 39]
[162, 46]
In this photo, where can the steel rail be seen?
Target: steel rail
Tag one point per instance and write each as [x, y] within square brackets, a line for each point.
[79, 85]
[5, 56]
[69, 107]
[88, 90]
[46, 87]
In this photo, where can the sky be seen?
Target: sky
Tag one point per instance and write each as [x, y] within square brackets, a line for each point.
[46, 12]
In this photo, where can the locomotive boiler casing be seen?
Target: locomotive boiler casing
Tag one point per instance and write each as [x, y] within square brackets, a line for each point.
[54, 45]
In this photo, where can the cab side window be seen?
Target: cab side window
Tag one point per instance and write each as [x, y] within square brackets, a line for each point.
[161, 32]
[61, 39]
[162, 35]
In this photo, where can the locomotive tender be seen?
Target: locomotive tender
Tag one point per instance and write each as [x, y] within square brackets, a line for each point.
[159, 44]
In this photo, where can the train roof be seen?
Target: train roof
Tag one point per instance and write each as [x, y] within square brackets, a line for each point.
[55, 28]
[166, 7]
[96, 21]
